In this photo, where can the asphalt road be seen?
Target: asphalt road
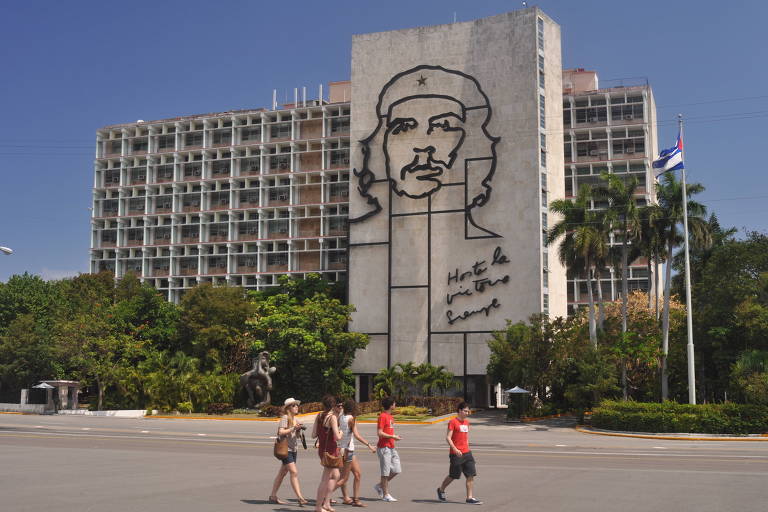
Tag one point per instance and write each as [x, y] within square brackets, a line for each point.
[62, 464]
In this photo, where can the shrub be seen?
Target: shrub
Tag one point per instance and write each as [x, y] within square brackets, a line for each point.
[411, 410]
[219, 408]
[670, 417]
[184, 407]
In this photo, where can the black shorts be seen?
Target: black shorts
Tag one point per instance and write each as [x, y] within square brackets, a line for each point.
[461, 464]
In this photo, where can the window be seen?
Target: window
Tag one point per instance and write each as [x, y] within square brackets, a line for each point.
[219, 230]
[280, 163]
[193, 139]
[542, 112]
[279, 194]
[545, 261]
[248, 228]
[543, 158]
[251, 134]
[220, 167]
[249, 165]
[340, 157]
[544, 221]
[337, 224]
[165, 172]
[222, 137]
[545, 303]
[339, 190]
[166, 142]
[545, 279]
[193, 170]
[541, 63]
[540, 33]
[280, 131]
[277, 259]
[139, 145]
[627, 112]
[115, 147]
[340, 125]
[337, 256]
[544, 198]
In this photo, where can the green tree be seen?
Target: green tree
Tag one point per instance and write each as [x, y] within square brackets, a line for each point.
[431, 378]
[26, 354]
[750, 376]
[584, 243]
[669, 194]
[211, 328]
[308, 342]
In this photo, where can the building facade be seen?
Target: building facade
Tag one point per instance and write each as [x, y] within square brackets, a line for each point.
[460, 147]
[234, 198]
[611, 129]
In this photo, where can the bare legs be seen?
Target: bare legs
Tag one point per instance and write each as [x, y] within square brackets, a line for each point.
[470, 485]
[293, 470]
[325, 488]
[354, 469]
[385, 482]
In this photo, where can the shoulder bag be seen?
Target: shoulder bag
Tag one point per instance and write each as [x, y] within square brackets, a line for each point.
[281, 446]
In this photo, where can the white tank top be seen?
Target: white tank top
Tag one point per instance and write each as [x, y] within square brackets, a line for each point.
[347, 441]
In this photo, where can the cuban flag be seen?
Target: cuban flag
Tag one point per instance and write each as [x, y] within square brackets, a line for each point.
[670, 159]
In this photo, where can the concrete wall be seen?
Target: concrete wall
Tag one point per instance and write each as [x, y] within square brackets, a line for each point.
[445, 224]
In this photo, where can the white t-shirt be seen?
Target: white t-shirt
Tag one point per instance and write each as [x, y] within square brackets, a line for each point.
[291, 436]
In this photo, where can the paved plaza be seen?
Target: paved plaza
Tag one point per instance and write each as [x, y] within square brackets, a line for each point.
[109, 464]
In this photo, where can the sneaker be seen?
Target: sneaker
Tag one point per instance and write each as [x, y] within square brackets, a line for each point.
[440, 494]
[379, 491]
[389, 497]
[474, 501]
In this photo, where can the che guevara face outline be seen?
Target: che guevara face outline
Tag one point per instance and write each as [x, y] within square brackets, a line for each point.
[422, 139]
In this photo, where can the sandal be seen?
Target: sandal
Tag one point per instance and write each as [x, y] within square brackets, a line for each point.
[357, 503]
[348, 501]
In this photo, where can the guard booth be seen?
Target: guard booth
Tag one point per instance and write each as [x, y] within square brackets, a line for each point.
[517, 402]
[62, 394]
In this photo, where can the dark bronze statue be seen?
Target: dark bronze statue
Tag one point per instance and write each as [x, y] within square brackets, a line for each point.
[258, 381]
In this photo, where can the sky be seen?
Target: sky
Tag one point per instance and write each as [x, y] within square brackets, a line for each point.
[69, 68]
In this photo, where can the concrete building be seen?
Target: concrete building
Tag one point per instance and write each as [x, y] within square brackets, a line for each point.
[461, 146]
[442, 153]
[610, 129]
[234, 198]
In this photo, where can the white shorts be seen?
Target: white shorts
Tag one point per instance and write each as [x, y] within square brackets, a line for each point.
[389, 461]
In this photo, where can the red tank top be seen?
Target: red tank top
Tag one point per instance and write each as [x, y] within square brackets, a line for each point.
[326, 441]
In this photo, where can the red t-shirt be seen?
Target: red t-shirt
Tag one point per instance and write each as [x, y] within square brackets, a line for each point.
[459, 434]
[387, 425]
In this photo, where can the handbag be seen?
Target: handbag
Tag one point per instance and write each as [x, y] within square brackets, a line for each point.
[281, 446]
[328, 460]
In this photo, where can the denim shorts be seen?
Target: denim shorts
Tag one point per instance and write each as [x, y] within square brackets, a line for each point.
[290, 458]
[348, 454]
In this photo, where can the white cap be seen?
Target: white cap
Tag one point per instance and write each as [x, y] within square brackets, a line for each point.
[291, 401]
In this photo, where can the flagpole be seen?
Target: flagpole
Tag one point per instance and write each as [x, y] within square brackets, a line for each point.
[691, 359]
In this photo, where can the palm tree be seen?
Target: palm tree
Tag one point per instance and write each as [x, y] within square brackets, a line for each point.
[669, 194]
[652, 247]
[583, 242]
[623, 215]
[431, 378]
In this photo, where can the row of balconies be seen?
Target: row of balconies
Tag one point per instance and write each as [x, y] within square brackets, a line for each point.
[273, 229]
[333, 259]
[198, 171]
[221, 200]
[224, 137]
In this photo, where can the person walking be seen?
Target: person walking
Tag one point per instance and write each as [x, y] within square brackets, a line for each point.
[460, 459]
[389, 460]
[290, 428]
[348, 423]
[328, 435]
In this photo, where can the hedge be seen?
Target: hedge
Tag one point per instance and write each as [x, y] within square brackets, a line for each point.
[439, 405]
[671, 417]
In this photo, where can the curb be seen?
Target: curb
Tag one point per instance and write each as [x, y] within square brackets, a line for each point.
[668, 437]
[540, 418]
[161, 417]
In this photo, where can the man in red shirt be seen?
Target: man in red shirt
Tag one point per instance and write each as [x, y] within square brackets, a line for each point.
[460, 456]
[389, 460]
